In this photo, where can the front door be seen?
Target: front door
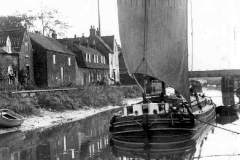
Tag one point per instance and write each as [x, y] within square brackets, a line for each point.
[62, 80]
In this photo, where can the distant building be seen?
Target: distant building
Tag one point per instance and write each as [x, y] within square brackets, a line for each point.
[54, 64]
[16, 53]
[112, 57]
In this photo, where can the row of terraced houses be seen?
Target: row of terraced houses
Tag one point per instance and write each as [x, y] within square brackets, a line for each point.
[27, 57]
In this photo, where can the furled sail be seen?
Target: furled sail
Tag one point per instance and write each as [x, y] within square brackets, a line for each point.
[154, 40]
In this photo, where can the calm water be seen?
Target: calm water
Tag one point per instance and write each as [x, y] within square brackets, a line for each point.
[89, 139]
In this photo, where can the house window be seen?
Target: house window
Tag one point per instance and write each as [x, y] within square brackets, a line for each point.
[94, 58]
[89, 77]
[89, 57]
[27, 59]
[97, 58]
[101, 59]
[104, 62]
[69, 61]
[54, 59]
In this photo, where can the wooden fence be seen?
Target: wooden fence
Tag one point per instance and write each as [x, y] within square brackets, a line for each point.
[7, 85]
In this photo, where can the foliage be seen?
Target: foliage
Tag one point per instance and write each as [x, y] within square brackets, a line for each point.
[46, 19]
[50, 20]
[10, 22]
[132, 92]
[24, 106]
[92, 96]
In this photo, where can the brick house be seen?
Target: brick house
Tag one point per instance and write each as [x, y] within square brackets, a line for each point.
[16, 42]
[91, 64]
[54, 64]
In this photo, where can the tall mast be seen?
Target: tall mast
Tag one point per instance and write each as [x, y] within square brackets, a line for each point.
[99, 23]
[191, 13]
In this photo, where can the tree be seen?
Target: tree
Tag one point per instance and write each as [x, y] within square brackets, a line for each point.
[16, 21]
[44, 22]
[10, 22]
[50, 20]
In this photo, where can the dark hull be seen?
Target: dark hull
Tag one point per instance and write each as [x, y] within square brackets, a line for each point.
[10, 119]
[157, 148]
[167, 126]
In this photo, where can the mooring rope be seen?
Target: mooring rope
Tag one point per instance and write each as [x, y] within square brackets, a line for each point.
[193, 117]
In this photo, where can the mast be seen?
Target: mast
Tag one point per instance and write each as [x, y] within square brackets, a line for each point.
[191, 6]
[99, 23]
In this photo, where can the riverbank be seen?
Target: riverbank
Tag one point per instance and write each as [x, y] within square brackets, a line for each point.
[48, 118]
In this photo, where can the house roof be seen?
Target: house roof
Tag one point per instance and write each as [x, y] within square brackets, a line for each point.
[92, 52]
[104, 44]
[109, 40]
[49, 43]
[16, 37]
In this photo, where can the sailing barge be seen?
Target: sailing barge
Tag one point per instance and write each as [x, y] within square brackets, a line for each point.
[154, 38]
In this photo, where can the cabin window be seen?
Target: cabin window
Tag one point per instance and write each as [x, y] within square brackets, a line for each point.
[86, 57]
[89, 57]
[54, 59]
[69, 61]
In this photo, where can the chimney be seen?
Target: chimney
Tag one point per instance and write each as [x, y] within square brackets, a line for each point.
[84, 41]
[54, 34]
[92, 31]
[77, 41]
[98, 33]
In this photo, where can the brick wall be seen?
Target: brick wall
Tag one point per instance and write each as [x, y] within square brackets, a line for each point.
[54, 73]
[26, 56]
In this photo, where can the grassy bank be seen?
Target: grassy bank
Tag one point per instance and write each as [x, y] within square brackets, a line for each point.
[93, 96]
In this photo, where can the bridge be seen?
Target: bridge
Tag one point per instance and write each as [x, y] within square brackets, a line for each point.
[230, 81]
[215, 73]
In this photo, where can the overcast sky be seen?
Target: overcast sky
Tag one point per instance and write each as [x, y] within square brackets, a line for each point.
[213, 22]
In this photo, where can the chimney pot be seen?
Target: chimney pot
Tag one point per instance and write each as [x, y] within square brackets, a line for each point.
[54, 34]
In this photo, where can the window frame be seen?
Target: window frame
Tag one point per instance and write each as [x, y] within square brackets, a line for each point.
[54, 59]
[69, 61]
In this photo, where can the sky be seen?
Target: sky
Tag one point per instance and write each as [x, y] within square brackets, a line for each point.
[215, 24]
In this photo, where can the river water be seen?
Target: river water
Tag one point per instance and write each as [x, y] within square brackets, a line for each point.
[89, 139]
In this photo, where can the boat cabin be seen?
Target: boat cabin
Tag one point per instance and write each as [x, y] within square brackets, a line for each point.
[150, 108]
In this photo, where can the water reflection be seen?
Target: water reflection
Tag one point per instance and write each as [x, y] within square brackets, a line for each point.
[176, 148]
[86, 139]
